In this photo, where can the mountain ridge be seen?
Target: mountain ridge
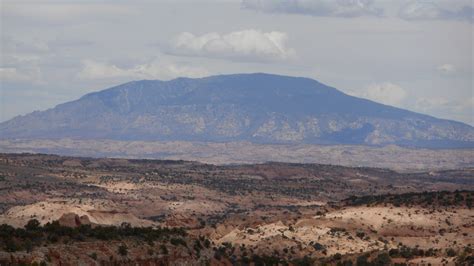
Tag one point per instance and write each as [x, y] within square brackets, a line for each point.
[257, 107]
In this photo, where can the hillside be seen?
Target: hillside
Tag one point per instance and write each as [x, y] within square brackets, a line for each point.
[83, 211]
[259, 108]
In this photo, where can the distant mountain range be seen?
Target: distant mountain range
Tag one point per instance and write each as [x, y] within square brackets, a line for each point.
[260, 108]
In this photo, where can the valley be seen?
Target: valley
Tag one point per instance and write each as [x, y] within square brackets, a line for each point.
[391, 156]
[270, 213]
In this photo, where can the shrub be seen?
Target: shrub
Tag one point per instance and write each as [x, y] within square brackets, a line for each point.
[10, 245]
[178, 241]
[360, 234]
[207, 243]
[362, 260]
[123, 250]
[450, 252]
[93, 256]
[393, 253]
[382, 259]
[33, 234]
[164, 250]
[32, 225]
[337, 256]
[318, 247]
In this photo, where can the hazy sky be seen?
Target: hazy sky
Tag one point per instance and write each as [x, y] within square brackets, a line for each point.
[411, 54]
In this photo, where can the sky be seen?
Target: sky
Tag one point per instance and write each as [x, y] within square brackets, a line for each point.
[412, 54]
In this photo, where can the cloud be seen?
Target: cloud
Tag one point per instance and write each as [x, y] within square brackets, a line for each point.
[429, 104]
[462, 109]
[323, 8]
[247, 45]
[26, 46]
[386, 93]
[12, 74]
[432, 10]
[447, 68]
[59, 13]
[61, 42]
[99, 70]
[14, 59]
[19, 60]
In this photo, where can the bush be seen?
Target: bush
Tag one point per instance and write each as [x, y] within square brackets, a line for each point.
[33, 234]
[32, 225]
[362, 260]
[360, 234]
[393, 253]
[450, 252]
[305, 261]
[345, 263]
[178, 241]
[123, 250]
[207, 243]
[318, 247]
[197, 246]
[164, 250]
[93, 256]
[268, 260]
[382, 259]
[10, 245]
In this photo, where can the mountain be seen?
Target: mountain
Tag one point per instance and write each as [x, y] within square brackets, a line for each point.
[259, 108]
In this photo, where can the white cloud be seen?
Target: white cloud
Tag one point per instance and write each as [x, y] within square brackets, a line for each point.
[329, 8]
[253, 45]
[447, 68]
[386, 93]
[432, 10]
[98, 70]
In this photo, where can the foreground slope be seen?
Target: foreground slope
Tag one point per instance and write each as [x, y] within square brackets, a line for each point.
[260, 108]
[102, 211]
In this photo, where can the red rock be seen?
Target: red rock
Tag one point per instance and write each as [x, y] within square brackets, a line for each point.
[73, 220]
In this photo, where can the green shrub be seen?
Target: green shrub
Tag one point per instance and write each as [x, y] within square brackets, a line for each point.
[382, 259]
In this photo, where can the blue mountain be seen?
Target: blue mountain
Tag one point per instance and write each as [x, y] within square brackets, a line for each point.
[260, 108]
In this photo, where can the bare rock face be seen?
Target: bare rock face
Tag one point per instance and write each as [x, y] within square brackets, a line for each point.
[73, 220]
[258, 108]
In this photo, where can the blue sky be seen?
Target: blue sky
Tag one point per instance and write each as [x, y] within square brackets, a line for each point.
[411, 54]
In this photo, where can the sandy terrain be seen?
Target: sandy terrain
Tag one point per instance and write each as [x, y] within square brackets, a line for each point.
[338, 231]
[99, 212]
[278, 211]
